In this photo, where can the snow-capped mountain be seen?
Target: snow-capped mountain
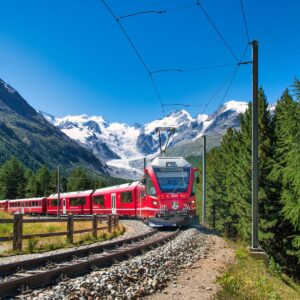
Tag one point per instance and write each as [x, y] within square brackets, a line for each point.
[123, 146]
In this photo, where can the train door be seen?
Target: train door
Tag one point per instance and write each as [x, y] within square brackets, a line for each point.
[64, 207]
[113, 204]
[22, 207]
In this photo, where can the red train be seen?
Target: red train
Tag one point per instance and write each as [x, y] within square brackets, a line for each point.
[164, 197]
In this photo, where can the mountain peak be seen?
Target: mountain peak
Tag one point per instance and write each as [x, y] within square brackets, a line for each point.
[238, 106]
[7, 86]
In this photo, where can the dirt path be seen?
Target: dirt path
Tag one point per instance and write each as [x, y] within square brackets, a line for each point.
[199, 281]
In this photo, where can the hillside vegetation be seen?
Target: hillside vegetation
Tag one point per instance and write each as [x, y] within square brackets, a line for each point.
[229, 181]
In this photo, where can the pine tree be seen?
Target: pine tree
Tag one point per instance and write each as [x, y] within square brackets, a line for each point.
[79, 180]
[291, 172]
[215, 190]
[12, 180]
[235, 205]
[31, 189]
[43, 179]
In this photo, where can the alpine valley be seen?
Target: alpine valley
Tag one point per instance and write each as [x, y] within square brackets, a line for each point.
[104, 147]
[122, 147]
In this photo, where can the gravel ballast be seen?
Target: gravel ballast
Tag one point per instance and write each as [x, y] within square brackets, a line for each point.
[136, 277]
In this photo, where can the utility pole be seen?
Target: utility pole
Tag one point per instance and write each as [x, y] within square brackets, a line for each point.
[58, 192]
[254, 245]
[145, 164]
[204, 181]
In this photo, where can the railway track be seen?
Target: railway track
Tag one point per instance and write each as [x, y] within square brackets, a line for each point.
[21, 277]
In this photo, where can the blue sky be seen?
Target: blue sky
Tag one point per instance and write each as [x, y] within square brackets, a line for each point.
[70, 57]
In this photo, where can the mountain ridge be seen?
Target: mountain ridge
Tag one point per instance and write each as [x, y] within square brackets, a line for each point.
[122, 146]
[24, 133]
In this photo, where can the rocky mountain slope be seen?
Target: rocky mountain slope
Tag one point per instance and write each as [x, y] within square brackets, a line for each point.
[25, 134]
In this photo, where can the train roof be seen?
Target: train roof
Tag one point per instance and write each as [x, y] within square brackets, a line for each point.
[27, 199]
[72, 194]
[165, 162]
[118, 187]
[1, 201]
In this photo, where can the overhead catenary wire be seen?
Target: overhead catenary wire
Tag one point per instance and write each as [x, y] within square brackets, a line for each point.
[182, 104]
[229, 78]
[219, 89]
[150, 72]
[137, 54]
[182, 70]
[234, 74]
[245, 21]
[212, 23]
[156, 11]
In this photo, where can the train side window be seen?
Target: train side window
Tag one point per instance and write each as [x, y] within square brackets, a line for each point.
[99, 200]
[54, 202]
[126, 197]
[150, 190]
[77, 201]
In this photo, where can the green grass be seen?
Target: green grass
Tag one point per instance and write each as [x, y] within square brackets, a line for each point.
[39, 245]
[5, 229]
[251, 279]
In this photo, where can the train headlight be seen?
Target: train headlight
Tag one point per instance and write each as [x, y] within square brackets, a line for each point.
[154, 202]
[192, 202]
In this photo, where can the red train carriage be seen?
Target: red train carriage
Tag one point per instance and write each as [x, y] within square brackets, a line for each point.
[28, 206]
[3, 205]
[166, 197]
[170, 195]
[72, 202]
[120, 199]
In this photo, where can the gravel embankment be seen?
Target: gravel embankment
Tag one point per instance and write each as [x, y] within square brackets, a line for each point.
[132, 228]
[136, 277]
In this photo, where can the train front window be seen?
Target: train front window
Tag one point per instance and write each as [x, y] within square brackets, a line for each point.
[172, 180]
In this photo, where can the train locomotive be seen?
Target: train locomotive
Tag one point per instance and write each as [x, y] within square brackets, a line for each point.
[170, 187]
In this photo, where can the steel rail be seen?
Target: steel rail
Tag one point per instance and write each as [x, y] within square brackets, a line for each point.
[38, 278]
[55, 258]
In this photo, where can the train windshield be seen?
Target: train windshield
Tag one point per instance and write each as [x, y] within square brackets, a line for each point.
[172, 180]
